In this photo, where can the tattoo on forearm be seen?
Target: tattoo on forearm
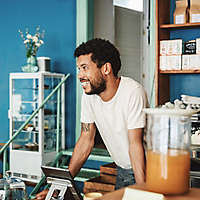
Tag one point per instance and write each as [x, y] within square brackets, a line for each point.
[85, 127]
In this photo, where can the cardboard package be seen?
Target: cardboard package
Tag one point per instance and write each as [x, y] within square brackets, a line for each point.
[170, 62]
[171, 47]
[191, 62]
[197, 45]
[194, 12]
[181, 15]
[190, 47]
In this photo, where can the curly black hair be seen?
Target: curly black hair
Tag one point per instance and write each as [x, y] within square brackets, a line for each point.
[102, 52]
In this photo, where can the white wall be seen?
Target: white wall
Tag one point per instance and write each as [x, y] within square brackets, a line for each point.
[104, 19]
[128, 39]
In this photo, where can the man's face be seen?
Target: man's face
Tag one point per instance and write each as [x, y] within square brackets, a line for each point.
[90, 75]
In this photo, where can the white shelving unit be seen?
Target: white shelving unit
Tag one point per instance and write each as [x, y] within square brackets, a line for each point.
[36, 143]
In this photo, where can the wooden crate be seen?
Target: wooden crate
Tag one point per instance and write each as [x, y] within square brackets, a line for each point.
[105, 182]
[99, 184]
[108, 169]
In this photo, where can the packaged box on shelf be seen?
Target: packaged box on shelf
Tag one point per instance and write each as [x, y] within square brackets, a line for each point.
[170, 62]
[190, 47]
[181, 12]
[194, 12]
[191, 62]
[163, 47]
[171, 47]
[185, 61]
[197, 45]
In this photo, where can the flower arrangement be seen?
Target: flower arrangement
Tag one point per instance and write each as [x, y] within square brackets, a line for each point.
[32, 42]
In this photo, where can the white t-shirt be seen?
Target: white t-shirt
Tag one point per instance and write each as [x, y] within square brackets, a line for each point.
[113, 118]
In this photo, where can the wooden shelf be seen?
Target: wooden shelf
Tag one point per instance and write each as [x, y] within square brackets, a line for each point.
[187, 25]
[163, 32]
[180, 71]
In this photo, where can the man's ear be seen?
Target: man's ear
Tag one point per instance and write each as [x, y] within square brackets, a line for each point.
[107, 68]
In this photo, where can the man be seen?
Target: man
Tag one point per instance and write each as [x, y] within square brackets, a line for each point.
[113, 105]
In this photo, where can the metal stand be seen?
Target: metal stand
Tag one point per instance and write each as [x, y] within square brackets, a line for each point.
[59, 188]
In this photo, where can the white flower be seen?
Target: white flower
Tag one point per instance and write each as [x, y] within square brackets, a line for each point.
[32, 42]
[35, 39]
[41, 42]
[29, 36]
[37, 44]
[26, 41]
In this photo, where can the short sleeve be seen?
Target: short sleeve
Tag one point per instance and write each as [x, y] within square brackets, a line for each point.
[87, 116]
[136, 116]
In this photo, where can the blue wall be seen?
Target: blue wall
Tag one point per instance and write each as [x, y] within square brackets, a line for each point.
[183, 83]
[58, 19]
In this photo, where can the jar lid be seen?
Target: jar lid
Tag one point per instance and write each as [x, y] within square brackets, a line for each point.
[167, 111]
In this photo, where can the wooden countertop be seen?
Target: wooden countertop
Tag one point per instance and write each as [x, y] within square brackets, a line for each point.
[193, 194]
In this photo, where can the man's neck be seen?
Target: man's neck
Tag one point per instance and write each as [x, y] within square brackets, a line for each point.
[112, 85]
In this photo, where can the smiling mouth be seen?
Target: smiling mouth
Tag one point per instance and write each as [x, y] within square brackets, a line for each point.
[84, 83]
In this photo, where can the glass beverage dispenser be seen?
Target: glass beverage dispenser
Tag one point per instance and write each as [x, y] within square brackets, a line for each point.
[168, 156]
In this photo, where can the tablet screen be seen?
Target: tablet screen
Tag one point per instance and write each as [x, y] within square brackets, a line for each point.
[56, 172]
[59, 173]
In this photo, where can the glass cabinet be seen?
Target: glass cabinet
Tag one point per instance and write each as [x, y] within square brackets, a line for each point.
[38, 142]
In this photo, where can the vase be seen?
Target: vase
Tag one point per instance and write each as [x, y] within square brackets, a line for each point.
[31, 65]
[31, 60]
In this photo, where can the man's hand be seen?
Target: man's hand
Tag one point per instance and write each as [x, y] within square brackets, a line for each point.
[42, 195]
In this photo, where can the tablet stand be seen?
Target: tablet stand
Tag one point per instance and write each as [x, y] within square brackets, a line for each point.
[59, 188]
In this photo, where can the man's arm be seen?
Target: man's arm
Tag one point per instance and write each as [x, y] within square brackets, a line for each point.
[81, 152]
[137, 154]
[82, 148]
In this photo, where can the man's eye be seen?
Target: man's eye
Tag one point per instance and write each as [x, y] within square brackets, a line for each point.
[82, 68]
[85, 67]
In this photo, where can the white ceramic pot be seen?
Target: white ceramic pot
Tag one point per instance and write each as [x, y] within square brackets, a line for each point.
[92, 195]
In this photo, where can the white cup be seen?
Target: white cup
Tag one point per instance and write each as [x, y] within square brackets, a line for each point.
[92, 195]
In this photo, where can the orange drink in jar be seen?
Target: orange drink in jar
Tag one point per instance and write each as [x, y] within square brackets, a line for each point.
[168, 173]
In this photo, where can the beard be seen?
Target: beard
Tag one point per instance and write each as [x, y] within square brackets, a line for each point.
[97, 86]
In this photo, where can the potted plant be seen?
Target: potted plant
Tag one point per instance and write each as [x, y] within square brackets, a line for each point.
[32, 44]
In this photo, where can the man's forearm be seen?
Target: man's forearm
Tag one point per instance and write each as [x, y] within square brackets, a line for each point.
[79, 156]
[82, 148]
[137, 154]
[138, 162]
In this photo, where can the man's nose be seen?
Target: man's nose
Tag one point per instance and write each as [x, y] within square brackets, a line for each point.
[80, 74]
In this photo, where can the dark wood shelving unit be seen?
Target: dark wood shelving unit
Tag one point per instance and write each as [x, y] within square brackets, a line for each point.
[180, 71]
[187, 25]
[163, 28]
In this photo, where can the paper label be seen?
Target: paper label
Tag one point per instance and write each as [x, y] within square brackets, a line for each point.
[179, 19]
[195, 18]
